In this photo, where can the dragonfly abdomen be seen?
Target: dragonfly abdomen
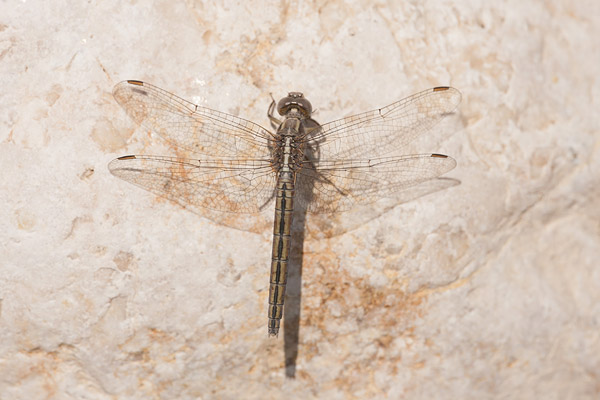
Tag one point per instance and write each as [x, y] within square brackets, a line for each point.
[284, 206]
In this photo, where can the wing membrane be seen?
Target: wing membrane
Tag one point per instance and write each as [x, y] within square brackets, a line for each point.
[387, 130]
[200, 130]
[339, 185]
[348, 162]
[241, 186]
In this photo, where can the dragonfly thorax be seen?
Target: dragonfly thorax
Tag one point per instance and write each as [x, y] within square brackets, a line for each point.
[288, 146]
[294, 100]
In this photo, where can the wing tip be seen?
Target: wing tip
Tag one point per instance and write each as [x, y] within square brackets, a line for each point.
[115, 165]
[129, 82]
[135, 82]
[454, 95]
[125, 84]
[129, 157]
[448, 161]
[445, 89]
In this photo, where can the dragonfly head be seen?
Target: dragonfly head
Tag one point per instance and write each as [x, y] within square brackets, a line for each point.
[294, 100]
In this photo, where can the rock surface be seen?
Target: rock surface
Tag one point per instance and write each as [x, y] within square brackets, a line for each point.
[489, 289]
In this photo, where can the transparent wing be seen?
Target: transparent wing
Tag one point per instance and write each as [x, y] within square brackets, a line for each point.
[384, 131]
[200, 130]
[234, 171]
[339, 185]
[241, 186]
[333, 224]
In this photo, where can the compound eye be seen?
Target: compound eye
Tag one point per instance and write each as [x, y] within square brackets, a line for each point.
[294, 100]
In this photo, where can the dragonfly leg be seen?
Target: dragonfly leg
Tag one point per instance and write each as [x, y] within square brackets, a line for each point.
[274, 121]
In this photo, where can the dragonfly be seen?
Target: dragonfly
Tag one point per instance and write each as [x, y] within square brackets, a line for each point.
[232, 165]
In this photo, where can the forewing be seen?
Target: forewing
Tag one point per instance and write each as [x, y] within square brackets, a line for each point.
[387, 130]
[339, 185]
[204, 132]
[240, 186]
